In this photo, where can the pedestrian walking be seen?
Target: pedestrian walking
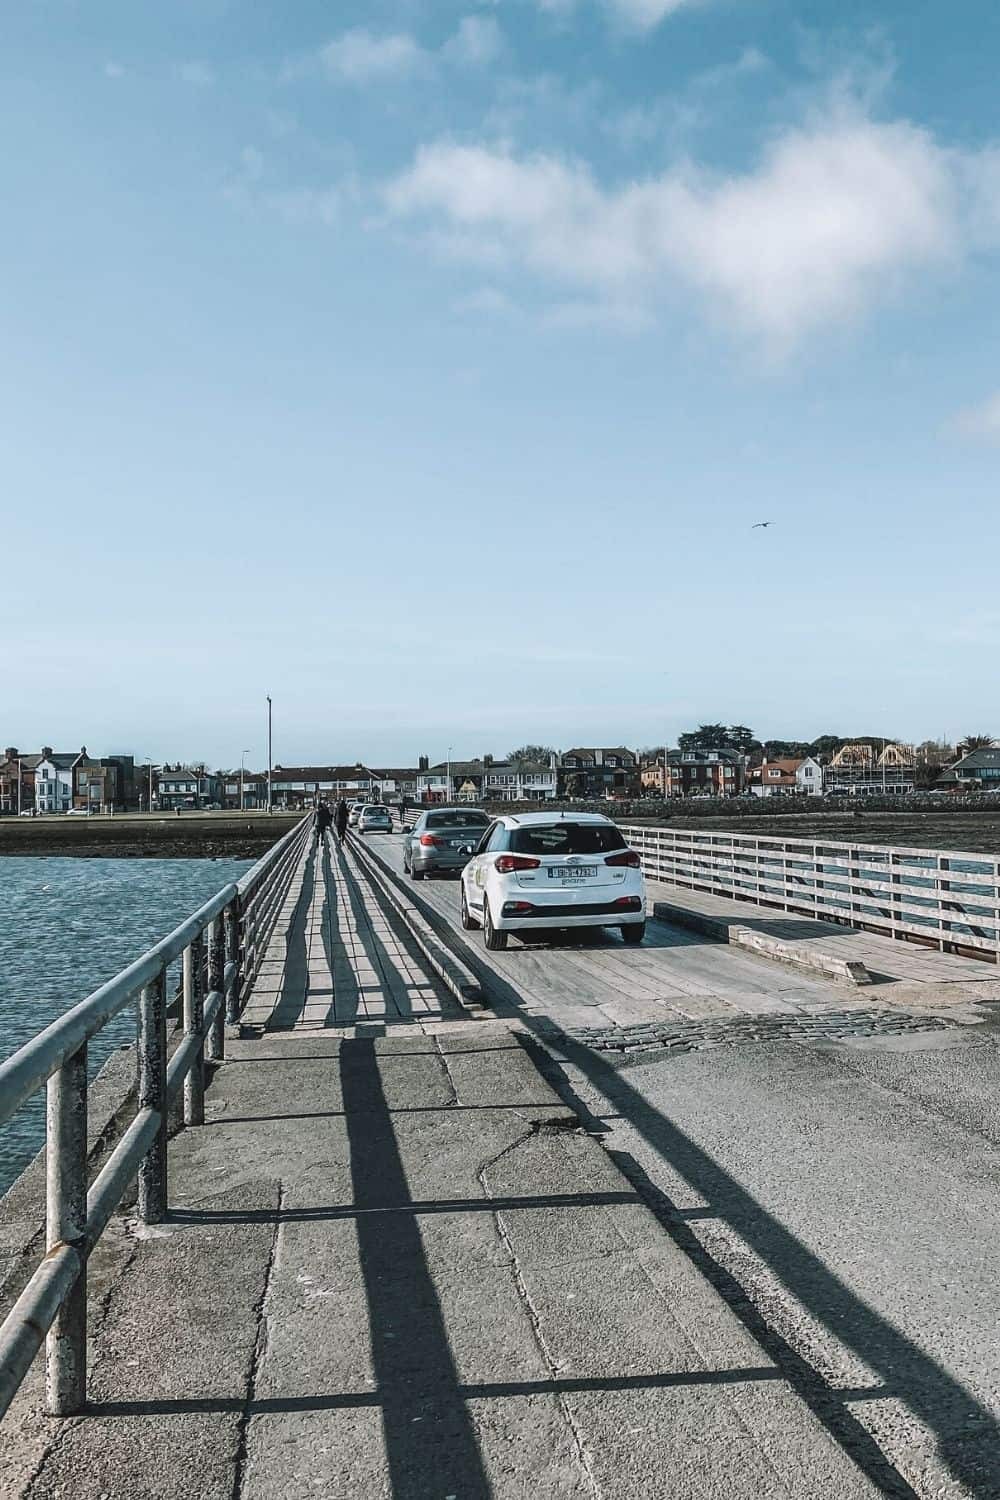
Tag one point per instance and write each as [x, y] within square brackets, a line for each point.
[340, 818]
[324, 817]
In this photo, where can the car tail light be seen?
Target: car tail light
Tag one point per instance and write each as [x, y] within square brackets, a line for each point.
[505, 864]
[626, 857]
[517, 908]
[628, 903]
[430, 840]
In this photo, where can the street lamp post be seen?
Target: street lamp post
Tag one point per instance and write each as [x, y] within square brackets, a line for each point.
[447, 785]
[243, 777]
[269, 788]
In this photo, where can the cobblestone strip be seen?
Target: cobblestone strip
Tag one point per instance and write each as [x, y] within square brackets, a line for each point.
[697, 1036]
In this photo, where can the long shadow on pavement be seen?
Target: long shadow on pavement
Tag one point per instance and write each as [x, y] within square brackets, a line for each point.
[295, 971]
[414, 1369]
[967, 1433]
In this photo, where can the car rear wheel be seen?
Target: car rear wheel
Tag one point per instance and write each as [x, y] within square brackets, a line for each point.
[468, 920]
[495, 941]
[634, 933]
[416, 874]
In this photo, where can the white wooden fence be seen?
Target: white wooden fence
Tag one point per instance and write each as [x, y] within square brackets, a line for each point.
[945, 898]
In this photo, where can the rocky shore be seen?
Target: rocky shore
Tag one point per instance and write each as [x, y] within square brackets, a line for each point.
[134, 836]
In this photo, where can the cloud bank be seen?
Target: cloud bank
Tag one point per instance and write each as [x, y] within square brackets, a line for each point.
[832, 215]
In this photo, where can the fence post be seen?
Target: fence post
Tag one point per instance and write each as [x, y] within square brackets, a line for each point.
[153, 1095]
[216, 1042]
[234, 955]
[194, 1017]
[66, 1224]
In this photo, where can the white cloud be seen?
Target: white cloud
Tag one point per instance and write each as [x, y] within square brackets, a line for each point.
[359, 56]
[198, 74]
[831, 215]
[982, 420]
[477, 41]
[645, 14]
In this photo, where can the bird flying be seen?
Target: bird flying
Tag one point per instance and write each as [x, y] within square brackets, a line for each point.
[756, 524]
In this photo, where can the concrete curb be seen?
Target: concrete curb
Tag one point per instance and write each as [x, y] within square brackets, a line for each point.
[780, 950]
[459, 979]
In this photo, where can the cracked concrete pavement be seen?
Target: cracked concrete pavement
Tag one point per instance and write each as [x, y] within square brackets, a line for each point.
[395, 1266]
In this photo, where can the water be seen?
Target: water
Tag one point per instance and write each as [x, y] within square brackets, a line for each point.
[67, 926]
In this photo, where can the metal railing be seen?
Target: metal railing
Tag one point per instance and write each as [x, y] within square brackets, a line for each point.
[945, 898]
[220, 949]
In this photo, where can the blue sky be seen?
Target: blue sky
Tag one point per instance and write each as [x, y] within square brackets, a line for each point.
[426, 366]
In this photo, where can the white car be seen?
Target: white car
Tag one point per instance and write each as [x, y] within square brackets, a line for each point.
[537, 870]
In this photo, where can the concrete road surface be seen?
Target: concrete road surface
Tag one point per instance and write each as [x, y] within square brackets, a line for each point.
[844, 1197]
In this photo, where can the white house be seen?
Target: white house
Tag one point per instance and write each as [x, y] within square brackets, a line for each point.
[504, 782]
[54, 780]
[787, 778]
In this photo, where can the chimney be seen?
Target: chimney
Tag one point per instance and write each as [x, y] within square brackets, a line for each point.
[487, 762]
[46, 752]
[552, 760]
[598, 757]
[11, 752]
[423, 763]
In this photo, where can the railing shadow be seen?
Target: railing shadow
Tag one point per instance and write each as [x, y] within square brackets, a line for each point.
[397, 997]
[966, 1431]
[345, 1001]
[413, 1365]
[294, 988]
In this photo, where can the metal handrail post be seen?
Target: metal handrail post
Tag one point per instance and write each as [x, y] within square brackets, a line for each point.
[66, 1224]
[234, 955]
[194, 1017]
[216, 1039]
[152, 1094]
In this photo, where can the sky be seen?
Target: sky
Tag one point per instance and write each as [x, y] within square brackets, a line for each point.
[426, 366]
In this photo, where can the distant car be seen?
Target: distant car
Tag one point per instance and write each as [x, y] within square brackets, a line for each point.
[78, 812]
[354, 812]
[441, 839]
[374, 819]
[538, 870]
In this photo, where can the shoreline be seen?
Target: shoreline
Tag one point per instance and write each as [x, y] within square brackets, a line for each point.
[139, 836]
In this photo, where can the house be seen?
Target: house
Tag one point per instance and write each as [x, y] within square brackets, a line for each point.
[593, 772]
[188, 787]
[861, 770]
[450, 781]
[977, 771]
[395, 784]
[503, 781]
[299, 786]
[242, 790]
[786, 778]
[104, 784]
[54, 779]
[17, 781]
[704, 773]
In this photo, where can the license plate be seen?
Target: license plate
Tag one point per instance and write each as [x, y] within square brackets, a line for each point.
[458, 843]
[572, 872]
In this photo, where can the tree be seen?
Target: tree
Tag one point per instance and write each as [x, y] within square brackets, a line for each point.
[705, 737]
[971, 742]
[530, 755]
[741, 738]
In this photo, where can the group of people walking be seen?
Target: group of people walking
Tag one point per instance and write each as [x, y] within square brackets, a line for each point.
[338, 818]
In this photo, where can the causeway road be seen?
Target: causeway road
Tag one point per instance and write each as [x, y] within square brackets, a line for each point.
[841, 1191]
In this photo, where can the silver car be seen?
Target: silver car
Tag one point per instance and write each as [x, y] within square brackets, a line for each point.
[442, 838]
[374, 819]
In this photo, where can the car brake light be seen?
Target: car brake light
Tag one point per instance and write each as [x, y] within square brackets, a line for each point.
[626, 857]
[429, 840]
[504, 864]
[628, 903]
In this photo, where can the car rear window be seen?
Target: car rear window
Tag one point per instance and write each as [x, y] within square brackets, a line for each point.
[566, 838]
[457, 820]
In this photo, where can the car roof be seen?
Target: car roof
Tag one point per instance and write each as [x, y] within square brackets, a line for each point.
[460, 808]
[545, 820]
